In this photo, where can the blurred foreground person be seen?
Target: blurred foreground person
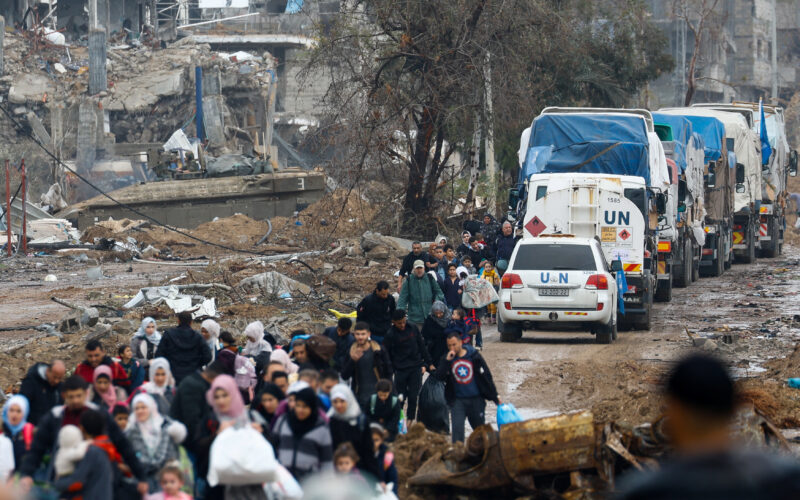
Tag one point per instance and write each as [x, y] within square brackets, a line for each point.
[700, 405]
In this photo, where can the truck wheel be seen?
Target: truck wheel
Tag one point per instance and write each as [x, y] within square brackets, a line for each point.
[683, 273]
[508, 332]
[664, 289]
[772, 250]
[608, 332]
[696, 265]
[645, 321]
[750, 257]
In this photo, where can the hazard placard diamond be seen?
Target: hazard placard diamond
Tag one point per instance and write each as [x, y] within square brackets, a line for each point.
[624, 234]
[535, 226]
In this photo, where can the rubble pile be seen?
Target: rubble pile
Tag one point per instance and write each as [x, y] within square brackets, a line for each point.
[150, 93]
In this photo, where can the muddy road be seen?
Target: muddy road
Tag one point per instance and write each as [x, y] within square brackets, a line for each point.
[753, 306]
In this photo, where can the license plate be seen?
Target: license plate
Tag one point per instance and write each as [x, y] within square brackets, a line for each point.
[554, 292]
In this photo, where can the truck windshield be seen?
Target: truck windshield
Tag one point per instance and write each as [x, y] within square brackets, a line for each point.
[551, 257]
[637, 197]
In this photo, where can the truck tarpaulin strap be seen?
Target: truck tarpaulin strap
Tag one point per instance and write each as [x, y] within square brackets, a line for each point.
[586, 140]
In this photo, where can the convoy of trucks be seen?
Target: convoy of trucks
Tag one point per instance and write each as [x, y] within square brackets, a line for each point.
[669, 196]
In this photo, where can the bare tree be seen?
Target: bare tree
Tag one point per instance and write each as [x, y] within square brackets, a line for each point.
[696, 14]
[406, 94]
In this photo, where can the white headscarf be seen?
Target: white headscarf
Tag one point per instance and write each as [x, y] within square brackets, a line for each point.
[212, 327]
[151, 387]
[255, 331]
[155, 338]
[342, 391]
[150, 428]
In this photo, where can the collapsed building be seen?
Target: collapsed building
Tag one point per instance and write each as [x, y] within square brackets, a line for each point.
[121, 106]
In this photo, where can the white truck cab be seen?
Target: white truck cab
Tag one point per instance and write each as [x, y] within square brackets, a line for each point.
[558, 278]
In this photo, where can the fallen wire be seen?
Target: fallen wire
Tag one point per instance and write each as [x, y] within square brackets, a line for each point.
[28, 134]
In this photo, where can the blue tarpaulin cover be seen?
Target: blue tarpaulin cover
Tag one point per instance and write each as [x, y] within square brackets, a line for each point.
[592, 143]
[713, 133]
[681, 133]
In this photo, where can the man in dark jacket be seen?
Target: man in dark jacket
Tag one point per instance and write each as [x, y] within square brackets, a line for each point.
[468, 384]
[45, 440]
[42, 387]
[343, 338]
[477, 253]
[707, 461]
[408, 262]
[376, 309]
[409, 358]
[96, 356]
[366, 363]
[490, 228]
[184, 348]
[504, 246]
[190, 405]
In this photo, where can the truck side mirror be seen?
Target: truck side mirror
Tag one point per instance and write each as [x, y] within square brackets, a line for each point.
[793, 163]
[711, 177]
[513, 198]
[616, 266]
[661, 203]
[739, 173]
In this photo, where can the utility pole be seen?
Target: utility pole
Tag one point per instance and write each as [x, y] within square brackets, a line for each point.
[491, 170]
[774, 54]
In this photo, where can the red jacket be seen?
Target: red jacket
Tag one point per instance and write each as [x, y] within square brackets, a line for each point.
[118, 373]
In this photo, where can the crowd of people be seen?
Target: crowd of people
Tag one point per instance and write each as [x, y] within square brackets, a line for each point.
[143, 423]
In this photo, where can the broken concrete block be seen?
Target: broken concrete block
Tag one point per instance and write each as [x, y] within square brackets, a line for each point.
[124, 326]
[274, 283]
[398, 247]
[29, 87]
[379, 252]
[354, 251]
[98, 332]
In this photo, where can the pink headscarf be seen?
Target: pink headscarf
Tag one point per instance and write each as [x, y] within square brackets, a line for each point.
[281, 356]
[110, 396]
[227, 384]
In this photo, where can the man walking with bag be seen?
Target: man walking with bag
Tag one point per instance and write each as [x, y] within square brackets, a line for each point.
[418, 294]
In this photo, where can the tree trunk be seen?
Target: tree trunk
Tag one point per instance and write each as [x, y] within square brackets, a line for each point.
[475, 162]
[416, 202]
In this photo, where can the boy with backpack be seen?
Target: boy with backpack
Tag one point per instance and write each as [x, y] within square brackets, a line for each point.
[385, 407]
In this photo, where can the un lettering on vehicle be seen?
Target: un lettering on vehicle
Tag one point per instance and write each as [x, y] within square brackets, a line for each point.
[547, 277]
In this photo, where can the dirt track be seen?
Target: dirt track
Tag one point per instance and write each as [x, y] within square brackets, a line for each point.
[552, 372]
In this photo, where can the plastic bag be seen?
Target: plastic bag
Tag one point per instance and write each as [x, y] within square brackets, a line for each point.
[507, 414]
[245, 372]
[285, 487]
[321, 347]
[478, 293]
[433, 411]
[228, 464]
[387, 494]
[402, 424]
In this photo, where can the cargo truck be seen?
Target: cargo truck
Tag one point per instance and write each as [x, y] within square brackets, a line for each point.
[679, 257]
[598, 173]
[746, 162]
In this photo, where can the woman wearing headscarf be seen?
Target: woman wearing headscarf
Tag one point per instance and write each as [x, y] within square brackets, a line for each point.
[255, 340]
[209, 329]
[102, 392]
[16, 426]
[288, 365]
[265, 406]
[145, 342]
[154, 437]
[161, 385]
[433, 331]
[301, 438]
[347, 423]
[227, 410]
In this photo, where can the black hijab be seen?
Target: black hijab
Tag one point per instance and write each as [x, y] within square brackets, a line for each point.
[301, 427]
[267, 388]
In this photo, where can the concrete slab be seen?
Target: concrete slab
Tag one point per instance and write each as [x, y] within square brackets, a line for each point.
[142, 92]
[29, 87]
